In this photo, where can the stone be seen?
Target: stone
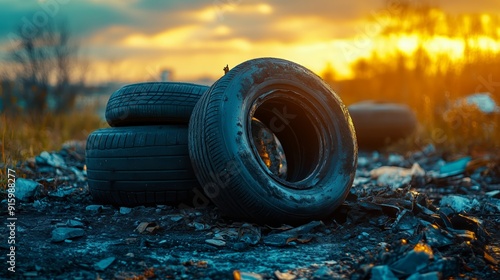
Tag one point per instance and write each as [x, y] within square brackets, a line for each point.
[51, 159]
[26, 189]
[323, 273]
[94, 208]
[382, 272]
[125, 210]
[414, 260]
[104, 263]
[216, 242]
[426, 276]
[63, 233]
[459, 203]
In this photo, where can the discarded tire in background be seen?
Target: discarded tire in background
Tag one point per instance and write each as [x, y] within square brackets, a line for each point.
[314, 132]
[140, 165]
[153, 103]
[380, 124]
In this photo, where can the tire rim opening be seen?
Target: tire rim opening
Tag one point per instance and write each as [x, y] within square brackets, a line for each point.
[286, 140]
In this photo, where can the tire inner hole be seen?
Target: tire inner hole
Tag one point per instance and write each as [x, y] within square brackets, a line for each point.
[286, 139]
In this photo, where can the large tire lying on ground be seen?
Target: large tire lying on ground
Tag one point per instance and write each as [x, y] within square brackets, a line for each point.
[380, 124]
[153, 103]
[141, 165]
[233, 146]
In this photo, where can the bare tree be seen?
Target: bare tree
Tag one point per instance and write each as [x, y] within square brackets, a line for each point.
[45, 57]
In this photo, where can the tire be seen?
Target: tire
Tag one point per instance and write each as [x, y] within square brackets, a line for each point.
[380, 124]
[142, 165]
[153, 103]
[313, 128]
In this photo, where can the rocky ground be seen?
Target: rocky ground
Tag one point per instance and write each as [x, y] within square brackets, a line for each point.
[422, 216]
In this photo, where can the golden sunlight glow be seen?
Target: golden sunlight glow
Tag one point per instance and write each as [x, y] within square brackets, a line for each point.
[485, 43]
[265, 9]
[214, 38]
[408, 43]
[218, 11]
[169, 38]
[222, 30]
[444, 45]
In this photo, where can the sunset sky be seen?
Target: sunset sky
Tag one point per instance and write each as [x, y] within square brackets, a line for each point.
[133, 40]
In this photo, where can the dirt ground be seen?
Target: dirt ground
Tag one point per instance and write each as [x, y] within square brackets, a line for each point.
[388, 227]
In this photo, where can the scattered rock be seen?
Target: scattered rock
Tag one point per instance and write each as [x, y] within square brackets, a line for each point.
[104, 263]
[413, 261]
[63, 233]
[459, 203]
[200, 226]
[395, 159]
[176, 218]
[215, 242]
[26, 189]
[94, 208]
[62, 192]
[426, 276]
[249, 234]
[382, 272]
[323, 273]
[78, 174]
[52, 159]
[71, 224]
[125, 210]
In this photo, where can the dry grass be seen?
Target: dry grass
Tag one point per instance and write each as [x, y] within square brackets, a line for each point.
[25, 136]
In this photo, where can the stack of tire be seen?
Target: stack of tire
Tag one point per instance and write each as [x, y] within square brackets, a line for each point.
[143, 159]
[268, 142]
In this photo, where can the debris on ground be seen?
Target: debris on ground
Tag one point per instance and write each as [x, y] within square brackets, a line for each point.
[432, 217]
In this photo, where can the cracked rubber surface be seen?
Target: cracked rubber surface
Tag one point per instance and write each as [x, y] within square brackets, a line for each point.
[141, 165]
[153, 103]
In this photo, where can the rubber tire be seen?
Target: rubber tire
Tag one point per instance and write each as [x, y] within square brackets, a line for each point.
[380, 124]
[226, 161]
[153, 103]
[141, 165]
